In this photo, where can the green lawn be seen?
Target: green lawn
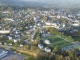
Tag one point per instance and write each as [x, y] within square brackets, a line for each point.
[57, 41]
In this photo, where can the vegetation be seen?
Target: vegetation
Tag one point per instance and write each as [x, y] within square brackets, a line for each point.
[56, 32]
[63, 55]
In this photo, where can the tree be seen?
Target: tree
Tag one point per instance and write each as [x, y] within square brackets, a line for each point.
[72, 54]
[59, 57]
[1, 9]
[45, 18]
[16, 45]
[52, 30]
[25, 47]
[3, 39]
[64, 20]
[55, 49]
[36, 42]
[40, 56]
[67, 58]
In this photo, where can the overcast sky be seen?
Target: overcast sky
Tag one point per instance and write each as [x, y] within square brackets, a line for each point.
[42, 1]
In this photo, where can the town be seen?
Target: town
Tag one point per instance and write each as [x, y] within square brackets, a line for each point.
[34, 31]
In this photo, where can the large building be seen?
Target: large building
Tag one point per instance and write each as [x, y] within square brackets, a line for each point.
[4, 31]
[76, 23]
[3, 53]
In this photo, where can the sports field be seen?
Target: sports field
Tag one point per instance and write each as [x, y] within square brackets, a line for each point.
[54, 40]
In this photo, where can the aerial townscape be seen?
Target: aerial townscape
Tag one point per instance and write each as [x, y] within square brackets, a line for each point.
[39, 32]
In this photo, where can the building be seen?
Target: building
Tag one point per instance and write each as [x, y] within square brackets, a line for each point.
[40, 46]
[4, 31]
[76, 23]
[47, 41]
[68, 48]
[3, 53]
[47, 49]
[9, 37]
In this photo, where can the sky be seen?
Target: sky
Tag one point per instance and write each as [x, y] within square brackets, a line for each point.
[41, 1]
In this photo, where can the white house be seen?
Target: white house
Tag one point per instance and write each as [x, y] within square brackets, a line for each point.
[6, 12]
[47, 23]
[47, 49]
[21, 45]
[10, 44]
[9, 37]
[0, 43]
[40, 46]
[9, 19]
[4, 31]
[58, 16]
[47, 41]
[63, 25]
[76, 23]
[15, 40]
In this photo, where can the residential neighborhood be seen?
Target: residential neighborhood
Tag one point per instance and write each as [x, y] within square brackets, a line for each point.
[26, 33]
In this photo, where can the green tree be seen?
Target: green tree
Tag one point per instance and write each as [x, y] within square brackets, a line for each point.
[16, 45]
[55, 49]
[59, 57]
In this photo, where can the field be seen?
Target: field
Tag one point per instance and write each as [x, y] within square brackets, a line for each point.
[54, 40]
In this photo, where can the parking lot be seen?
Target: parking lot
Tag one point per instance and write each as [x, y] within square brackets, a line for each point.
[13, 56]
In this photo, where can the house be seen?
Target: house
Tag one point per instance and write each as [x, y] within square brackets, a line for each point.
[58, 16]
[26, 27]
[6, 12]
[10, 44]
[5, 43]
[9, 19]
[47, 41]
[21, 45]
[17, 35]
[76, 43]
[50, 24]
[0, 43]
[15, 31]
[15, 40]
[47, 49]
[67, 48]
[9, 37]
[74, 30]
[76, 23]
[40, 46]
[63, 25]
[4, 31]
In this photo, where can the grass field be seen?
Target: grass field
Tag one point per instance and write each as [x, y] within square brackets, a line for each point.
[57, 41]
